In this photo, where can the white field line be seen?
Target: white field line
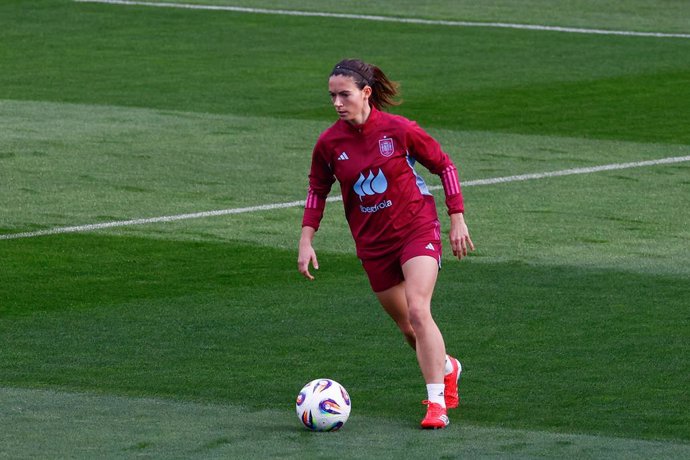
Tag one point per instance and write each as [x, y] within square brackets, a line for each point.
[294, 204]
[366, 17]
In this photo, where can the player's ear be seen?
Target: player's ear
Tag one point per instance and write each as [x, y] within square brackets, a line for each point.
[367, 91]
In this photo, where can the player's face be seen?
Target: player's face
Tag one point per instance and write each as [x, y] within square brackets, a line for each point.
[351, 103]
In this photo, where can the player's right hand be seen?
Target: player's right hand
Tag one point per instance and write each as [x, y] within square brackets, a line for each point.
[306, 256]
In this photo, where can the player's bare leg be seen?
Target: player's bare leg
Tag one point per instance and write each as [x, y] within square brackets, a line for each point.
[394, 302]
[420, 279]
[409, 305]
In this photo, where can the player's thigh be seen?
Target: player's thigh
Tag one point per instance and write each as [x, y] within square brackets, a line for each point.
[420, 274]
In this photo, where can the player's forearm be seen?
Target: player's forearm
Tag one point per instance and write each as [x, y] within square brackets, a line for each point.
[307, 235]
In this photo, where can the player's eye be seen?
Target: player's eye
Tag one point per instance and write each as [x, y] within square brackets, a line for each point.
[343, 95]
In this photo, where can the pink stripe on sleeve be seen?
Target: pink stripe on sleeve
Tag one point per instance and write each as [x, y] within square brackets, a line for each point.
[449, 178]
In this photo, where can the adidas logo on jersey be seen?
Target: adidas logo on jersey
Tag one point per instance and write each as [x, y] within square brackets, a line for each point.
[430, 247]
[343, 156]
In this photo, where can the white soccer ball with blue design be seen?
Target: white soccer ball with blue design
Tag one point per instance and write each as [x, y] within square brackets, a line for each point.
[323, 405]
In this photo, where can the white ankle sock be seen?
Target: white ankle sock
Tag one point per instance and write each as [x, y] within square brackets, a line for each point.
[449, 366]
[435, 391]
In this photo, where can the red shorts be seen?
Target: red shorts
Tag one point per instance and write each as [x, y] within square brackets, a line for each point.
[386, 271]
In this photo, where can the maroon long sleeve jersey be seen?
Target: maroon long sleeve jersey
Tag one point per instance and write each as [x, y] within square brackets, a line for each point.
[375, 165]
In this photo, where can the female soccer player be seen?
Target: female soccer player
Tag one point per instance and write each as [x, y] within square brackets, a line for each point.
[391, 214]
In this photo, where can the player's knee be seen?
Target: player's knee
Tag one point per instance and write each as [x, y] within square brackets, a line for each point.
[420, 316]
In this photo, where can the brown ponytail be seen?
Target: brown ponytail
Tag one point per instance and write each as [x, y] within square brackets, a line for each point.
[383, 90]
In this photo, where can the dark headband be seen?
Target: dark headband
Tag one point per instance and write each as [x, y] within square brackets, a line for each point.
[342, 67]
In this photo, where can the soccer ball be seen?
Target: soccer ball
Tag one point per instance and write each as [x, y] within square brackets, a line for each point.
[323, 405]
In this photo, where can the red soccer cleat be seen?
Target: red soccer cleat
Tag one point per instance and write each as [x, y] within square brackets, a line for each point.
[451, 381]
[435, 416]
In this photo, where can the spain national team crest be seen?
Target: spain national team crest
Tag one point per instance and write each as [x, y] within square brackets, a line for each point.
[386, 146]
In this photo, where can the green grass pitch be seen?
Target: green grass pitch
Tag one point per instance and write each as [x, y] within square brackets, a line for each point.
[191, 339]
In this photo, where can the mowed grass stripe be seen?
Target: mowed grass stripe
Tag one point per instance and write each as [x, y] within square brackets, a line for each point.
[367, 17]
[48, 424]
[544, 347]
[569, 84]
[292, 204]
[70, 164]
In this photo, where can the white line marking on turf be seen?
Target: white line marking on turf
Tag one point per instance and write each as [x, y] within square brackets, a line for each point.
[570, 172]
[294, 204]
[366, 17]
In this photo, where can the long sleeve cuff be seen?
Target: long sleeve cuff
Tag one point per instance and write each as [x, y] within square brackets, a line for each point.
[452, 190]
[313, 210]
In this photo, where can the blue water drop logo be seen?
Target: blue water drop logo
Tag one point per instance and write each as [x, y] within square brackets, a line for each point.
[371, 184]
